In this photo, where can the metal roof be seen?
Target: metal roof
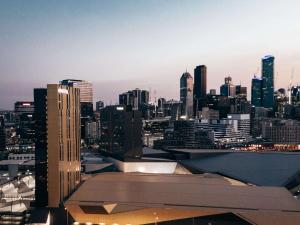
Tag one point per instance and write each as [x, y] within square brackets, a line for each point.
[263, 169]
[129, 197]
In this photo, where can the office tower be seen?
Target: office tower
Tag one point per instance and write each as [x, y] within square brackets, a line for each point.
[86, 88]
[59, 109]
[126, 98]
[160, 107]
[86, 95]
[86, 100]
[173, 109]
[41, 153]
[145, 97]
[268, 81]
[2, 135]
[295, 95]
[92, 131]
[99, 106]
[161, 102]
[228, 89]
[188, 134]
[240, 90]
[186, 94]
[134, 98]
[200, 81]
[200, 85]
[121, 131]
[280, 131]
[208, 114]
[241, 124]
[25, 121]
[256, 91]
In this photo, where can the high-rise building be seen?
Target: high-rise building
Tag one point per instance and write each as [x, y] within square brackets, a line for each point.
[172, 109]
[200, 81]
[59, 109]
[92, 131]
[41, 150]
[256, 91]
[295, 95]
[2, 135]
[86, 89]
[228, 89]
[160, 107]
[99, 105]
[86, 100]
[144, 97]
[186, 94]
[200, 87]
[161, 102]
[240, 90]
[25, 121]
[134, 98]
[121, 131]
[268, 81]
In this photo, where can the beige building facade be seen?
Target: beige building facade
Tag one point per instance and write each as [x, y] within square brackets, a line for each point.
[63, 137]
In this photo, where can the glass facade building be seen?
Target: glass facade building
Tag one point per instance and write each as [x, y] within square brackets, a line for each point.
[186, 94]
[268, 81]
[256, 92]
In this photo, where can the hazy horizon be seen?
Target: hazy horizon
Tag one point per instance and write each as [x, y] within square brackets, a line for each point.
[122, 45]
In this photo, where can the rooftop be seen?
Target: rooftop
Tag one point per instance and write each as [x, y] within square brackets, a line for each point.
[132, 198]
[263, 169]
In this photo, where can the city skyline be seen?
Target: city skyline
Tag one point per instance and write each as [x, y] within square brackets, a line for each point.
[101, 42]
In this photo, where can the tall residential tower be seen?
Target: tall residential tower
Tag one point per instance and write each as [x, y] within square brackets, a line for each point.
[58, 143]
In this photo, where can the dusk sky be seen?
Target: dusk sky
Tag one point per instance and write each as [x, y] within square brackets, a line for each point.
[122, 45]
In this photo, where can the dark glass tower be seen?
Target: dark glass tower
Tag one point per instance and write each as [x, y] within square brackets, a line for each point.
[200, 85]
[268, 81]
[41, 156]
[25, 122]
[256, 92]
[121, 131]
[200, 82]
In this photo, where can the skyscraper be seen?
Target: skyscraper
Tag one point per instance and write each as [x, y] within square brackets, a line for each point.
[268, 81]
[256, 91]
[186, 94]
[200, 81]
[134, 98]
[86, 89]
[200, 86]
[86, 100]
[228, 89]
[99, 105]
[59, 108]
